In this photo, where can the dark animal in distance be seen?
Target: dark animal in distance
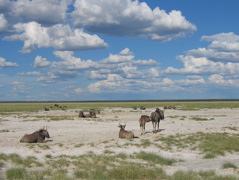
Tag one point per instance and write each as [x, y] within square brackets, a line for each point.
[90, 115]
[125, 134]
[142, 108]
[155, 118]
[36, 137]
[134, 108]
[142, 121]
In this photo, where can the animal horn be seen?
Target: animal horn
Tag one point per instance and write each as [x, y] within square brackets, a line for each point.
[122, 124]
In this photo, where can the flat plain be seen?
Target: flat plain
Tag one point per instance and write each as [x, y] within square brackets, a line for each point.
[195, 141]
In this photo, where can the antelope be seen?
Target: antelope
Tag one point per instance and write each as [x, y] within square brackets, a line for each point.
[125, 134]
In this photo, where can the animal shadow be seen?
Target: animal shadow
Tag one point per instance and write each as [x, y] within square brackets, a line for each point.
[149, 132]
[160, 130]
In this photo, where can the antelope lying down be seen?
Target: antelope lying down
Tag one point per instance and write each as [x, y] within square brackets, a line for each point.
[90, 115]
[125, 134]
[36, 137]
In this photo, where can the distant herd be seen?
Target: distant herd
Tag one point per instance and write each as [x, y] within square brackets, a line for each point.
[40, 135]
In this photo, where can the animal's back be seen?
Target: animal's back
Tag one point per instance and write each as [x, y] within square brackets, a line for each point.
[29, 138]
[154, 116]
[126, 134]
[143, 119]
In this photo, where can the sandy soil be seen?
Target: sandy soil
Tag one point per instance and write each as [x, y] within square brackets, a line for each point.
[101, 133]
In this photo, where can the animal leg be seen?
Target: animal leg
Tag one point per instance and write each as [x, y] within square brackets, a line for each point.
[158, 126]
[141, 129]
[154, 127]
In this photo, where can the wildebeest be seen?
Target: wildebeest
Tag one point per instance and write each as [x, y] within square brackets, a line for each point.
[142, 120]
[90, 115]
[156, 117]
[36, 137]
[134, 108]
[142, 108]
[125, 134]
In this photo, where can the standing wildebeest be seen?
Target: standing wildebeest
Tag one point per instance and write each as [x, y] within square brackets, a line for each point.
[156, 117]
[36, 137]
[142, 120]
[125, 134]
[91, 115]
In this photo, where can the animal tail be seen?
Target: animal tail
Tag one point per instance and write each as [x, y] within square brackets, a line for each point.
[136, 137]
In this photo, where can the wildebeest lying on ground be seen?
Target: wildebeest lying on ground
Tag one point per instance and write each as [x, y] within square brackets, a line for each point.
[142, 108]
[156, 117]
[142, 120]
[36, 137]
[125, 134]
[90, 115]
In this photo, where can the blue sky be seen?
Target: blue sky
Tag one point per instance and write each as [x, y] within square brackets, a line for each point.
[53, 50]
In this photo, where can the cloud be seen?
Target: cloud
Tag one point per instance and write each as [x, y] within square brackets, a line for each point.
[70, 66]
[224, 47]
[19, 87]
[130, 18]
[223, 37]
[117, 84]
[34, 73]
[217, 79]
[78, 90]
[117, 58]
[220, 57]
[36, 10]
[3, 23]
[202, 65]
[149, 62]
[60, 37]
[41, 62]
[4, 63]
[73, 63]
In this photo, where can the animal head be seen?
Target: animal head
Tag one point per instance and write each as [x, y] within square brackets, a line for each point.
[44, 132]
[161, 113]
[92, 115]
[122, 125]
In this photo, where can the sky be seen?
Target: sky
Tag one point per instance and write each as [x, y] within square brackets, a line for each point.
[103, 50]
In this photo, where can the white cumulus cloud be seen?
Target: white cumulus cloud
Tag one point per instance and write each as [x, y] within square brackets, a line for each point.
[3, 23]
[41, 11]
[4, 63]
[41, 62]
[130, 18]
[60, 37]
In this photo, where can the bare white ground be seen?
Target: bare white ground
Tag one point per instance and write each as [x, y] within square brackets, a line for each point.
[76, 136]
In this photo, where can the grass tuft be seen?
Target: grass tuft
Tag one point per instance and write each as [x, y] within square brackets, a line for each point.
[229, 165]
[155, 159]
[15, 173]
